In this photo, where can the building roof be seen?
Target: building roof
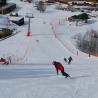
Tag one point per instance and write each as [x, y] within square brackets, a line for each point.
[15, 18]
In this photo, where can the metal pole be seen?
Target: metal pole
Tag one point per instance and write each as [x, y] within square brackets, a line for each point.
[29, 33]
[29, 25]
[29, 16]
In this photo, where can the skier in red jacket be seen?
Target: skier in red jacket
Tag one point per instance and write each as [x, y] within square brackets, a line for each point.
[59, 67]
[4, 61]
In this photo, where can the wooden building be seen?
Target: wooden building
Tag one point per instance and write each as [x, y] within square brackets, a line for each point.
[17, 20]
[94, 1]
[3, 2]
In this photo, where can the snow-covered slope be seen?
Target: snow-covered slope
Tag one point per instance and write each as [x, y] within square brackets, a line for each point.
[31, 74]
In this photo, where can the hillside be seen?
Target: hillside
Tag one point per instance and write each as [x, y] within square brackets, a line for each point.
[31, 73]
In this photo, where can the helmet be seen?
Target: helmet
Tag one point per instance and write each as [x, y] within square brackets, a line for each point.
[54, 62]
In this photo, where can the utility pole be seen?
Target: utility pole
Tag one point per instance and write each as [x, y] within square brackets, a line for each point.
[29, 33]
[29, 16]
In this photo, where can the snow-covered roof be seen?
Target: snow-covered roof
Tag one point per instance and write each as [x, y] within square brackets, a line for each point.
[15, 18]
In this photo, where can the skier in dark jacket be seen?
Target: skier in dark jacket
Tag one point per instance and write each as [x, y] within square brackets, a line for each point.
[59, 67]
[65, 59]
[69, 60]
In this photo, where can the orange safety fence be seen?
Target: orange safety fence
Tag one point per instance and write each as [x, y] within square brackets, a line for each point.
[96, 54]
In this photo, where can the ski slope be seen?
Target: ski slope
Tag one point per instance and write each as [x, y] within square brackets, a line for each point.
[31, 73]
[29, 81]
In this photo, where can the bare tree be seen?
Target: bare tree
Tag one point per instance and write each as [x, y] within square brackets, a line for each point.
[88, 43]
[41, 6]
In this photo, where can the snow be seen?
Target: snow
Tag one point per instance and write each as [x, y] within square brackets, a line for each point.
[15, 18]
[3, 21]
[31, 73]
[41, 81]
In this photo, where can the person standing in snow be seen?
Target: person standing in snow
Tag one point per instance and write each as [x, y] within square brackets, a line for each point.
[59, 67]
[69, 60]
[9, 59]
[4, 61]
[65, 60]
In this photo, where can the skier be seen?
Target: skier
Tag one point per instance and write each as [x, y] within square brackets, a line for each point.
[4, 61]
[69, 60]
[9, 59]
[65, 59]
[59, 67]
